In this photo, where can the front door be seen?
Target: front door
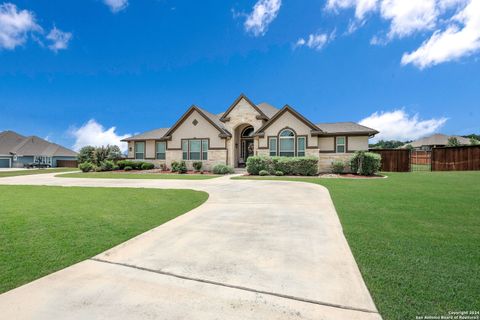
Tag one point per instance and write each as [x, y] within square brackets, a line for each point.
[246, 151]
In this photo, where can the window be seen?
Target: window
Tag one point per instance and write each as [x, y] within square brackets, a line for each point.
[287, 143]
[185, 149]
[139, 150]
[204, 149]
[272, 144]
[340, 144]
[160, 147]
[248, 132]
[301, 146]
[195, 149]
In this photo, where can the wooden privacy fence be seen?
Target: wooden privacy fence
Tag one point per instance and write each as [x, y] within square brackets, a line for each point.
[67, 163]
[420, 157]
[456, 158]
[396, 160]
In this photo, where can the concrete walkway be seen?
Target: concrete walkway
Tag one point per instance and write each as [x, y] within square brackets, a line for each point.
[254, 250]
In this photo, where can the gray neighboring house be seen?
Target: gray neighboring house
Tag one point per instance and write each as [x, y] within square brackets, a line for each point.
[16, 151]
[435, 140]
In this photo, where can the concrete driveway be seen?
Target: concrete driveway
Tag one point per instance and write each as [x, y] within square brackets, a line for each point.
[254, 250]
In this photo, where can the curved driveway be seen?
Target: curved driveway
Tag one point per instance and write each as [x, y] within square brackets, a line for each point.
[254, 250]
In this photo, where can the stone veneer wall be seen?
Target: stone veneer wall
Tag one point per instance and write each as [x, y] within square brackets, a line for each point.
[214, 157]
[325, 160]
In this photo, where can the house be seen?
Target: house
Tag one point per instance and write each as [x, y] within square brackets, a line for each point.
[435, 140]
[16, 151]
[246, 129]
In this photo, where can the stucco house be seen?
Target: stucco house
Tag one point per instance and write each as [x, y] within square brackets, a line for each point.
[246, 129]
[16, 151]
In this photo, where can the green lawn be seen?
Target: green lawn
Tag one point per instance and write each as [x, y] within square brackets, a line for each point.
[111, 175]
[415, 237]
[44, 229]
[34, 171]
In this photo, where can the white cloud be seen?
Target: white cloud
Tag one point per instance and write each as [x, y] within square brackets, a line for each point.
[453, 43]
[398, 125]
[455, 26]
[15, 25]
[264, 12]
[94, 134]
[116, 5]
[314, 41]
[59, 39]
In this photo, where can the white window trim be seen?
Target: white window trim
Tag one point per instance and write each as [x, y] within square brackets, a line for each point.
[340, 144]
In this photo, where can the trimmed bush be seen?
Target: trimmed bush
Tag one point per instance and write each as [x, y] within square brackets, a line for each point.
[97, 169]
[175, 165]
[147, 166]
[338, 166]
[107, 165]
[85, 166]
[123, 163]
[258, 163]
[279, 173]
[197, 165]
[182, 167]
[127, 168]
[298, 166]
[222, 169]
[263, 173]
[365, 163]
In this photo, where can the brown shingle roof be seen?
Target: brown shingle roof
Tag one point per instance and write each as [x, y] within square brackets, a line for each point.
[149, 135]
[345, 128]
[437, 139]
[13, 143]
[267, 109]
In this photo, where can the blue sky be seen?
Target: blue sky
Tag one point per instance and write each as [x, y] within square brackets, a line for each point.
[139, 65]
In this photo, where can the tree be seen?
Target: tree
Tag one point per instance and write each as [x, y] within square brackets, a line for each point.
[453, 142]
[86, 154]
[474, 142]
[387, 144]
[409, 147]
[114, 153]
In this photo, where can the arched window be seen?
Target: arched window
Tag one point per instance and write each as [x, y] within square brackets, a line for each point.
[247, 132]
[287, 143]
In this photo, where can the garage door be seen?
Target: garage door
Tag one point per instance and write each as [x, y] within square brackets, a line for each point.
[4, 163]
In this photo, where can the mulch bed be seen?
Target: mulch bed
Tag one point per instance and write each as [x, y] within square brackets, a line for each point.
[160, 171]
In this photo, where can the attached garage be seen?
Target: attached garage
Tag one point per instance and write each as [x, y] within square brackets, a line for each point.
[5, 163]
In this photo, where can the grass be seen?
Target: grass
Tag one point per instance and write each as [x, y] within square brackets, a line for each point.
[111, 175]
[415, 237]
[33, 171]
[44, 229]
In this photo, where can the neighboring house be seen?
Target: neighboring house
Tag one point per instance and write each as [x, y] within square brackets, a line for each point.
[435, 140]
[16, 151]
[246, 129]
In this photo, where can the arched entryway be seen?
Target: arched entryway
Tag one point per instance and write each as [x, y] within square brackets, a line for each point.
[244, 144]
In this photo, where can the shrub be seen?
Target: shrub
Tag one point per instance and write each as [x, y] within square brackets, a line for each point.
[97, 168]
[338, 166]
[365, 163]
[302, 166]
[258, 163]
[163, 167]
[263, 173]
[222, 169]
[175, 165]
[197, 165]
[127, 168]
[85, 166]
[147, 166]
[278, 173]
[182, 167]
[107, 165]
[123, 163]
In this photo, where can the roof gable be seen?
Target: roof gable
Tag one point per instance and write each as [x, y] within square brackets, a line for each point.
[211, 118]
[292, 111]
[261, 115]
[9, 140]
